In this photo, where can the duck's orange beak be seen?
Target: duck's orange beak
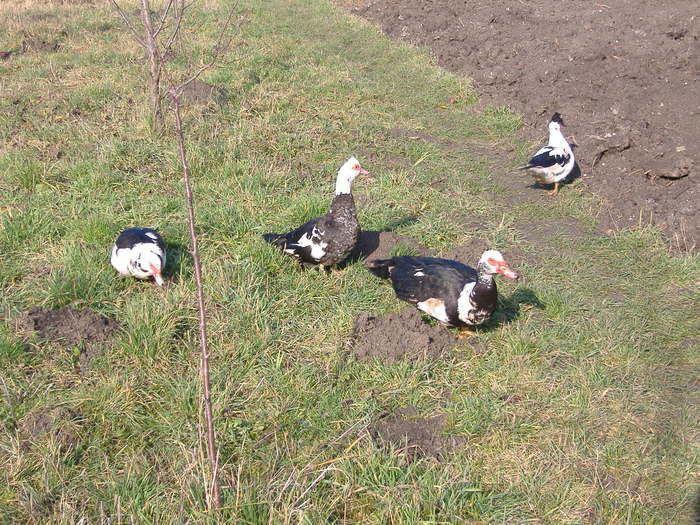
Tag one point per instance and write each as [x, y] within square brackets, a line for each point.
[156, 276]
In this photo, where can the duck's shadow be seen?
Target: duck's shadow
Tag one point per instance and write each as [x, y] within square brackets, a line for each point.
[370, 241]
[179, 265]
[510, 308]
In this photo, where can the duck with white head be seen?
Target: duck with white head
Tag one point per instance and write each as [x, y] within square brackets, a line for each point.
[451, 292]
[139, 253]
[328, 240]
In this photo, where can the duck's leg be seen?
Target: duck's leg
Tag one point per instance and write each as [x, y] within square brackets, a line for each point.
[555, 190]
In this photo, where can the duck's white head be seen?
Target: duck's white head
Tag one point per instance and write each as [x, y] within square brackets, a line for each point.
[150, 264]
[492, 262]
[555, 123]
[346, 174]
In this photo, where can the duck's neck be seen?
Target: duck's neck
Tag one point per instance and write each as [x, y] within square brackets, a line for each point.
[343, 185]
[485, 278]
[556, 139]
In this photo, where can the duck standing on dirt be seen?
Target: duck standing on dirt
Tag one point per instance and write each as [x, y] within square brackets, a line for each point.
[451, 292]
[326, 241]
[553, 163]
[140, 253]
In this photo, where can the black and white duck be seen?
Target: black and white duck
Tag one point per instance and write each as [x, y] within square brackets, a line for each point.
[140, 253]
[552, 163]
[326, 241]
[453, 293]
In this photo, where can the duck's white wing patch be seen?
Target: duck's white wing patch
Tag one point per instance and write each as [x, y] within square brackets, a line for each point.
[315, 241]
[464, 303]
[121, 260]
[152, 235]
[435, 308]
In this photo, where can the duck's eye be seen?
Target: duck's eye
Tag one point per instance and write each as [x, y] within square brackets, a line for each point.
[356, 167]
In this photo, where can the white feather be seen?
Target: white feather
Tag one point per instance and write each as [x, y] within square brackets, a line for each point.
[464, 303]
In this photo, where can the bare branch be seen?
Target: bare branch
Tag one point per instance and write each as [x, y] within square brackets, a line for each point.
[128, 23]
[176, 31]
[163, 19]
[215, 498]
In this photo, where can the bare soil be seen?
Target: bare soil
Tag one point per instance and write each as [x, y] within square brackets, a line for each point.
[414, 436]
[625, 76]
[58, 423]
[85, 329]
[198, 92]
[400, 337]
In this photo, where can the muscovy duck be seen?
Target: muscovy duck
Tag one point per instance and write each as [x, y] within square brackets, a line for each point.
[326, 241]
[140, 253]
[451, 292]
[552, 163]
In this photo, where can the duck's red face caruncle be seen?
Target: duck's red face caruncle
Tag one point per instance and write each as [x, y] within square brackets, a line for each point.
[498, 264]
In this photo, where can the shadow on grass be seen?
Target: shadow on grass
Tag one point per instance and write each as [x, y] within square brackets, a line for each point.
[510, 308]
[370, 242]
[178, 264]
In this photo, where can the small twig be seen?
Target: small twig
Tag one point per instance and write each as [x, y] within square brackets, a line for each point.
[163, 19]
[128, 23]
[215, 500]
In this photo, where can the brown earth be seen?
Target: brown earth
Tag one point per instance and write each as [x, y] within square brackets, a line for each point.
[400, 337]
[624, 75]
[59, 423]
[87, 330]
[199, 92]
[412, 435]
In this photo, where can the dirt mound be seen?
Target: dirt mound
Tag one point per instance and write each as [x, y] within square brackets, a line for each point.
[415, 436]
[198, 92]
[59, 423]
[85, 329]
[623, 75]
[398, 337]
[69, 326]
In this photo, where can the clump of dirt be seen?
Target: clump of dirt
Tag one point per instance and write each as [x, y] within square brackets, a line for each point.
[87, 330]
[35, 43]
[70, 326]
[414, 436]
[624, 76]
[59, 423]
[198, 92]
[383, 244]
[400, 337]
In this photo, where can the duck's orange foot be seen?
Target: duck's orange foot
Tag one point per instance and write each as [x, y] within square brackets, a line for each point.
[555, 190]
[464, 331]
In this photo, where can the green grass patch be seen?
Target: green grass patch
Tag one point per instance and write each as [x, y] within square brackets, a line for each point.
[578, 412]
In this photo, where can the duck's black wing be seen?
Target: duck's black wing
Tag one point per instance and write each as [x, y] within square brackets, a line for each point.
[548, 157]
[133, 236]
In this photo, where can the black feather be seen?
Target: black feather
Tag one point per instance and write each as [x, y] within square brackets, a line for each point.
[379, 267]
[133, 236]
[546, 159]
[557, 118]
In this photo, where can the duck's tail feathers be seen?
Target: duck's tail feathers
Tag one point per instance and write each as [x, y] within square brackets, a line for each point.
[379, 267]
[273, 238]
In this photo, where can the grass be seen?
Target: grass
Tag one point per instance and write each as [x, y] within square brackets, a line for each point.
[605, 428]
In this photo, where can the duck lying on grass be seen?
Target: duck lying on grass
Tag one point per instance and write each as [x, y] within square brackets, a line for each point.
[326, 241]
[451, 292]
[552, 163]
[140, 253]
